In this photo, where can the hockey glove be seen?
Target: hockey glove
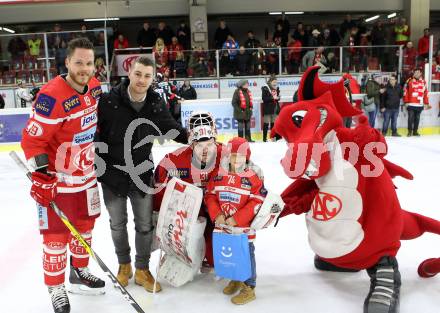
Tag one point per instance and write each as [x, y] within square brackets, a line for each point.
[43, 188]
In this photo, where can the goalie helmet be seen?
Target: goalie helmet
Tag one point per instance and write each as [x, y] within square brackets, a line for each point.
[201, 126]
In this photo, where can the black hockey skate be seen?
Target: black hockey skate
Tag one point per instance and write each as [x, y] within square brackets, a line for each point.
[60, 301]
[384, 288]
[84, 283]
[322, 265]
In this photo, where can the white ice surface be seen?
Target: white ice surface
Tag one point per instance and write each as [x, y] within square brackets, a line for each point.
[287, 280]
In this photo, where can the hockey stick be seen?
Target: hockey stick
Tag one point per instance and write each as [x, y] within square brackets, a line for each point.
[78, 236]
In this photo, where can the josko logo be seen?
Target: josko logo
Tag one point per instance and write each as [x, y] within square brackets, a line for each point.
[326, 206]
[226, 252]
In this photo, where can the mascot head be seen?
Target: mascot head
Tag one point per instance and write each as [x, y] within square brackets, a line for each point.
[306, 123]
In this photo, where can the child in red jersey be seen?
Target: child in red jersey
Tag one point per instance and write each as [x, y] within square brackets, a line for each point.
[233, 198]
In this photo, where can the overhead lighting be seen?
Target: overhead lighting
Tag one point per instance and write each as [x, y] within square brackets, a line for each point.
[101, 19]
[7, 30]
[275, 13]
[392, 15]
[372, 18]
[294, 12]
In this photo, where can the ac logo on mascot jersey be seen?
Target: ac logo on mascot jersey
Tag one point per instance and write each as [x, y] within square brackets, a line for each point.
[326, 206]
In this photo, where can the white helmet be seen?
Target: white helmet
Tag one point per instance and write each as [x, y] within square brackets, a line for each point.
[201, 125]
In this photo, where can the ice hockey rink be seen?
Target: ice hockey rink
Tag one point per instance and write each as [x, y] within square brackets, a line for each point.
[287, 280]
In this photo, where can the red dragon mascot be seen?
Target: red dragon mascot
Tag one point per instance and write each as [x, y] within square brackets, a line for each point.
[344, 185]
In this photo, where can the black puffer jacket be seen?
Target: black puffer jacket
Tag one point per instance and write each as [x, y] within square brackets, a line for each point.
[114, 117]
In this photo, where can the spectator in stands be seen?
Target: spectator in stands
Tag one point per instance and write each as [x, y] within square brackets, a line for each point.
[363, 51]
[100, 39]
[60, 55]
[409, 60]
[22, 95]
[251, 44]
[350, 52]
[390, 105]
[378, 39]
[243, 107]
[17, 47]
[314, 57]
[280, 33]
[301, 35]
[372, 99]
[221, 34]
[293, 56]
[226, 65]
[34, 45]
[326, 40]
[231, 46]
[160, 53]
[260, 66]
[100, 70]
[187, 91]
[173, 48]
[315, 39]
[270, 95]
[184, 35]
[332, 63]
[272, 51]
[423, 46]
[347, 25]
[121, 42]
[165, 32]
[401, 32]
[85, 34]
[146, 37]
[243, 61]
[284, 22]
[201, 67]
[57, 38]
[180, 66]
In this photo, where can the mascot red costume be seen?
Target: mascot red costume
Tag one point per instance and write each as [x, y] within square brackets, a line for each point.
[344, 185]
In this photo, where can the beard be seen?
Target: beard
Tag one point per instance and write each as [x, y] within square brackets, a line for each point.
[80, 79]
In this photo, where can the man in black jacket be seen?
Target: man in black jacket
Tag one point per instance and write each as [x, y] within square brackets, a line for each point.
[390, 104]
[146, 36]
[130, 117]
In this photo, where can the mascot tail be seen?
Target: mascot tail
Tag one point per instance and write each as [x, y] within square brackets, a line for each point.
[414, 225]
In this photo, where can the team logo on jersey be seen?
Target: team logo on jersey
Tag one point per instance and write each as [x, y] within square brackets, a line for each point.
[178, 172]
[246, 183]
[228, 208]
[229, 197]
[218, 178]
[326, 206]
[71, 103]
[88, 120]
[84, 137]
[44, 104]
[96, 92]
[84, 159]
[34, 129]
[43, 221]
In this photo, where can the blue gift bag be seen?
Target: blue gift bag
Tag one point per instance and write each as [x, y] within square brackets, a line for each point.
[231, 256]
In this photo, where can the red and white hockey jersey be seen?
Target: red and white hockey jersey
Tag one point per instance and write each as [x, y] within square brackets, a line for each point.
[416, 93]
[180, 164]
[235, 195]
[63, 125]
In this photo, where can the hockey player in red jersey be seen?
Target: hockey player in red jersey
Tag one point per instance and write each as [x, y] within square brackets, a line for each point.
[233, 197]
[195, 164]
[58, 144]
